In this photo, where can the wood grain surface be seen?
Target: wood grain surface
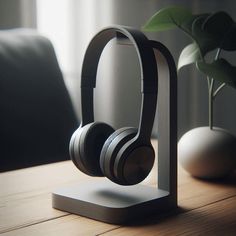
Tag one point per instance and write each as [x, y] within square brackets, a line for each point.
[205, 207]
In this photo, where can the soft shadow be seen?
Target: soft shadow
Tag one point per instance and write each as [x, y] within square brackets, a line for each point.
[120, 197]
[157, 218]
[182, 220]
[229, 180]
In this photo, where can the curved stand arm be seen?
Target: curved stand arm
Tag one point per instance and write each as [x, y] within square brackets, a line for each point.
[167, 122]
[167, 117]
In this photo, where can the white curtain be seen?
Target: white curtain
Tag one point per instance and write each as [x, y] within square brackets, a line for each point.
[17, 13]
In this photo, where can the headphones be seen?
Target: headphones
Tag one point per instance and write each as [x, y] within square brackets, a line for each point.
[124, 156]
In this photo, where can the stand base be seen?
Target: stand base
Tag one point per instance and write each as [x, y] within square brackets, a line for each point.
[105, 201]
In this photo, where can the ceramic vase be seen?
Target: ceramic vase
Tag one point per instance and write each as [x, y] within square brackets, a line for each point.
[207, 153]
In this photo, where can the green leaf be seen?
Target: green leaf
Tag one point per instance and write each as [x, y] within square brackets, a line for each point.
[173, 17]
[229, 41]
[168, 18]
[220, 70]
[218, 23]
[222, 27]
[189, 55]
[205, 40]
[187, 25]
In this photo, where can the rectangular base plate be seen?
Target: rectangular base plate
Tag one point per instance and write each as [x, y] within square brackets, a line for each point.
[105, 201]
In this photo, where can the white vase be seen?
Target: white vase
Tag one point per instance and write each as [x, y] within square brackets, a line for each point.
[207, 153]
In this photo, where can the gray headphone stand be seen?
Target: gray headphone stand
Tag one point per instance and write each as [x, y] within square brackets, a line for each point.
[105, 201]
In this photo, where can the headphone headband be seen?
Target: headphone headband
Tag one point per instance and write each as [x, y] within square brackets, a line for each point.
[149, 81]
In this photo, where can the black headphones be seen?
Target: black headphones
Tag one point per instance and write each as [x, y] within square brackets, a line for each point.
[126, 155]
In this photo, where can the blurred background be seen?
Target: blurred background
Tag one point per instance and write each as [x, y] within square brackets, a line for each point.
[70, 24]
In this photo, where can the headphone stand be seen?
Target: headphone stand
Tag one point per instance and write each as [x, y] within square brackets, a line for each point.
[105, 201]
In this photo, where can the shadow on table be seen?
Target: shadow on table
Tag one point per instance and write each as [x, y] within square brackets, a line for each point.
[158, 218]
[196, 214]
[194, 222]
[229, 180]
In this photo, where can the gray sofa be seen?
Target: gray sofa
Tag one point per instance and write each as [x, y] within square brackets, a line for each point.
[36, 113]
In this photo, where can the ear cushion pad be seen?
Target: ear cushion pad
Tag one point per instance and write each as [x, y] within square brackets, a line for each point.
[76, 156]
[91, 142]
[113, 148]
[73, 145]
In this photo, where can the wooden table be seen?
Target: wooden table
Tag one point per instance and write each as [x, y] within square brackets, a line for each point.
[205, 208]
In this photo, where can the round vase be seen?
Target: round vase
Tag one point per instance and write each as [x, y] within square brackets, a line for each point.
[207, 153]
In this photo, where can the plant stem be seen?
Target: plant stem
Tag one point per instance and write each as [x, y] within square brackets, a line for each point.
[208, 82]
[218, 89]
[217, 53]
[210, 99]
[212, 94]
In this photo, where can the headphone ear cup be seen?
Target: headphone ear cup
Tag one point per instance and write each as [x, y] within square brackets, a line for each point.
[112, 147]
[105, 147]
[90, 145]
[133, 162]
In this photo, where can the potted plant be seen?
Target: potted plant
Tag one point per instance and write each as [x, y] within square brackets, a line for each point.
[206, 152]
